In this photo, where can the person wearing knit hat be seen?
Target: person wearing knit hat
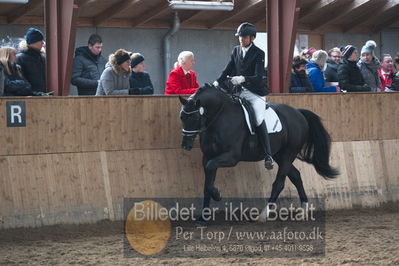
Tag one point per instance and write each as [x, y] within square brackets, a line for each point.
[369, 65]
[368, 48]
[140, 81]
[350, 78]
[350, 52]
[115, 78]
[307, 53]
[33, 35]
[32, 60]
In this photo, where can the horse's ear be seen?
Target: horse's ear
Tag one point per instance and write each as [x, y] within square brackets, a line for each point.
[182, 100]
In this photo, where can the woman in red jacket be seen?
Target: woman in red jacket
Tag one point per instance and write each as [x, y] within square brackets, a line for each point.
[182, 79]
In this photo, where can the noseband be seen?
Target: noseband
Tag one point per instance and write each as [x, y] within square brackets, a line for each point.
[192, 133]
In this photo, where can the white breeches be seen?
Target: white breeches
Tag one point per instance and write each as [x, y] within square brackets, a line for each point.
[258, 104]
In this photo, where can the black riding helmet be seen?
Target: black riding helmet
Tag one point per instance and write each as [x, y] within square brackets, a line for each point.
[246, 29]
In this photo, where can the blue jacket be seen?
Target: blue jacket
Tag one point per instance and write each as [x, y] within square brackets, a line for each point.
[317, 79]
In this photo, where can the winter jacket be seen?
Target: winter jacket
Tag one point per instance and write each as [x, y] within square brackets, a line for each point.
[114, 81]
[33, 66]
[386, 82]
[179, 83]
[15, 84]
[1, 80]
[370, 73]
[86, 70]
[317, 79]
[252, 67]
[141, 83]
[350, 78]
[300, 83]
[331, 72]
[395, 82]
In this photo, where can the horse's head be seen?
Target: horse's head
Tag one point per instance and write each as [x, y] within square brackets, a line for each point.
[190, 116]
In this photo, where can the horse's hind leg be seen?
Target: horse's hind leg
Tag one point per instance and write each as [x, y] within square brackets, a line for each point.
[295, 177]
[284, 160]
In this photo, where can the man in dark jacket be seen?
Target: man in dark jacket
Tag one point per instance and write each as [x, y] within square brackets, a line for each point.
[349, 76]
[299, 79]
[32, 60]
[247, 68]
[334, 58]
[88, 65]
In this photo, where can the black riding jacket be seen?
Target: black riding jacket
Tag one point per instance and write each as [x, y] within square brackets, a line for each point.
[252, 67]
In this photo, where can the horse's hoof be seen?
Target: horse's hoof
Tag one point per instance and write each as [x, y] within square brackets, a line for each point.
[215, 194]
[201, 222]
[265, 214]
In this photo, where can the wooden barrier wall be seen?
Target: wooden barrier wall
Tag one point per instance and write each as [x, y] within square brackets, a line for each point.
[77, 158]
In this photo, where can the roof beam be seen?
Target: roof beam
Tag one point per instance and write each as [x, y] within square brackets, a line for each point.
[316, 7]
[21, 11]
[149, 14]
[113, 10]
[340, 12]
[194, 14]
[371, 14]
[238, 8]
[82, 3]
[388, 20]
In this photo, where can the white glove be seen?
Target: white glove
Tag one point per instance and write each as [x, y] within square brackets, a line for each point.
[237, 80]
[215, 83]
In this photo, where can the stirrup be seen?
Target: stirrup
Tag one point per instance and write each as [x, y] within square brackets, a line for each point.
[269, 162]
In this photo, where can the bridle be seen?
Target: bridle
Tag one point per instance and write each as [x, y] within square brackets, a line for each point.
[201, 111]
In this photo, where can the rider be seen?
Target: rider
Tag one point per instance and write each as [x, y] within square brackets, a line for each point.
[246, 67]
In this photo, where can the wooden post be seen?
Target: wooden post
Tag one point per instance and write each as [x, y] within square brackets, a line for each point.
[60, 19]
[282, 17]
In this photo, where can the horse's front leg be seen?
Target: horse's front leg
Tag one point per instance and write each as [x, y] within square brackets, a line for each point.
[210, 168]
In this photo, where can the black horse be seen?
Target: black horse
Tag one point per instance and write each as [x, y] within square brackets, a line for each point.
[225, 140]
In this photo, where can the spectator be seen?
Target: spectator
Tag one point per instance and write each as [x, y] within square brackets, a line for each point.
[299, 79]
[13, 83]
[115, 78]
[32, 60]
[182, 79]
[396, 62]
[1, 79]
[386, 71]
[368, 65]
[349, 76]
[140, 80]
[395, 83]
[88, 65]
[315, 68]
[307, 53]
[334, 58]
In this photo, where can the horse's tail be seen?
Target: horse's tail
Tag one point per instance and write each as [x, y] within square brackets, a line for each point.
[317, 149]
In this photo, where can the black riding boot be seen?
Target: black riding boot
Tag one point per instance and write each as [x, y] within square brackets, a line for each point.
[263, 136]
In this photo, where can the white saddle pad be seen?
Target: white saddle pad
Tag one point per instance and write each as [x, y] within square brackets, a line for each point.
[272, 120]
